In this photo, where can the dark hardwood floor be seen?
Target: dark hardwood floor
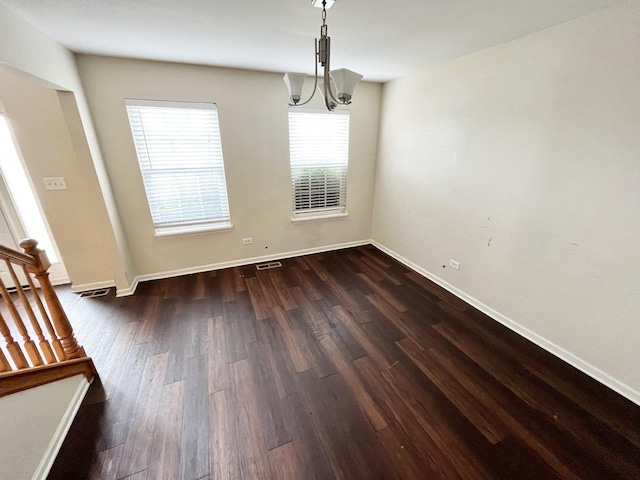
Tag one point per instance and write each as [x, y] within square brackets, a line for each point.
[339, 365]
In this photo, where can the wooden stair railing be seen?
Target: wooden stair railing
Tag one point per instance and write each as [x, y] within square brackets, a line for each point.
[28, 363]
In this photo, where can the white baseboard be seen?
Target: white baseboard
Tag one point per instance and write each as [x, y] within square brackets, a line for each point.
[585, 367]
[59, 281]
[87, 287]
[61, 432]
[235, 263]
[124, 292]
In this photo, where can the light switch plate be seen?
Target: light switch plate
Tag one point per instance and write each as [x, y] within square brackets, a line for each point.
[54, 183]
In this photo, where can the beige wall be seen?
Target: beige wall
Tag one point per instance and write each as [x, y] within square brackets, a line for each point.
[253, 122]
[38, 60]
[77, 216]
[521, 162]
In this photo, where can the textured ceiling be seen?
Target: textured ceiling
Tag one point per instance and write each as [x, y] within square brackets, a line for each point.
[380, 39]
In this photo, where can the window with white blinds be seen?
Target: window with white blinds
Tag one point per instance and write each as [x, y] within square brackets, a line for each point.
[180, 155]
[319, 154]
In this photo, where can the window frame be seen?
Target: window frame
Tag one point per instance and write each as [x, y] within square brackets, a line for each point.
[215, 165]
[321, 212]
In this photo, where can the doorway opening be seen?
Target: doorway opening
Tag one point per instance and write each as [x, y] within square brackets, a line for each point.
[21, 215]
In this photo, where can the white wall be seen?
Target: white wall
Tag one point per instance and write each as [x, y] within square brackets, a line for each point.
[26, 49]
[252, 108]
[34, 425]
[38, 60]
[522, 162]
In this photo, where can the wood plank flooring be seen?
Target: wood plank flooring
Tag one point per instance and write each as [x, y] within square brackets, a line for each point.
[344, 365]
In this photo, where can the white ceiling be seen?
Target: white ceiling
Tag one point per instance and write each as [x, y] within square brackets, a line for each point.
[380, 39]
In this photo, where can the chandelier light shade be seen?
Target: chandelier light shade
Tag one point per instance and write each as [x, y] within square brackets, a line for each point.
[337, 86]
[294, 82]
[346, 82]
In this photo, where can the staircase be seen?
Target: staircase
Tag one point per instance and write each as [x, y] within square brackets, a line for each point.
[44, 373]
[30, 364]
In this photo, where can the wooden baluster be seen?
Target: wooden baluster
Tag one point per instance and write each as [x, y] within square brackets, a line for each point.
[12, 346]
[45, 347]
[29, 346]
[57, 344]
[4, 363]
[60, 321]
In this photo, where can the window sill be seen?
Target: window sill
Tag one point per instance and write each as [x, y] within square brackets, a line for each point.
[318, 216]
[181, 231]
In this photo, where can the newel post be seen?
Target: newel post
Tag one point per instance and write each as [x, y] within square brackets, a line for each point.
[61, 323]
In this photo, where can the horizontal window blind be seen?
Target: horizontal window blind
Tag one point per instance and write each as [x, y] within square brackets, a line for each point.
[180, 156]
[319, 153]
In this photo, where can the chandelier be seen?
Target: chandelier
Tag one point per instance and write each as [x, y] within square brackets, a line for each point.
[338, 85]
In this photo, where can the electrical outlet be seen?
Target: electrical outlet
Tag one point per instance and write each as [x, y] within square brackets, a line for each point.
[54, 183]
[454, 264]
[247, 241]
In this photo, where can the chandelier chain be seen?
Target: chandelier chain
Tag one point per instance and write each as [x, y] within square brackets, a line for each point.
[323, 28]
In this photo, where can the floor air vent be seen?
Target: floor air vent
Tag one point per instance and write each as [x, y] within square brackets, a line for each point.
[266, 266]
[95, 293]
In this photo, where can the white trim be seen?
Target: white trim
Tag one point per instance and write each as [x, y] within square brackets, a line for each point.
[235, 263]
[585, 367]
[87, 287]
[130, 290]
[309, 217]
[52, 450]
[59, 281]
[133, 102]
[180, 231]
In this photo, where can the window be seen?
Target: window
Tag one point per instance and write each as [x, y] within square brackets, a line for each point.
[180, 155]
[319, 152]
